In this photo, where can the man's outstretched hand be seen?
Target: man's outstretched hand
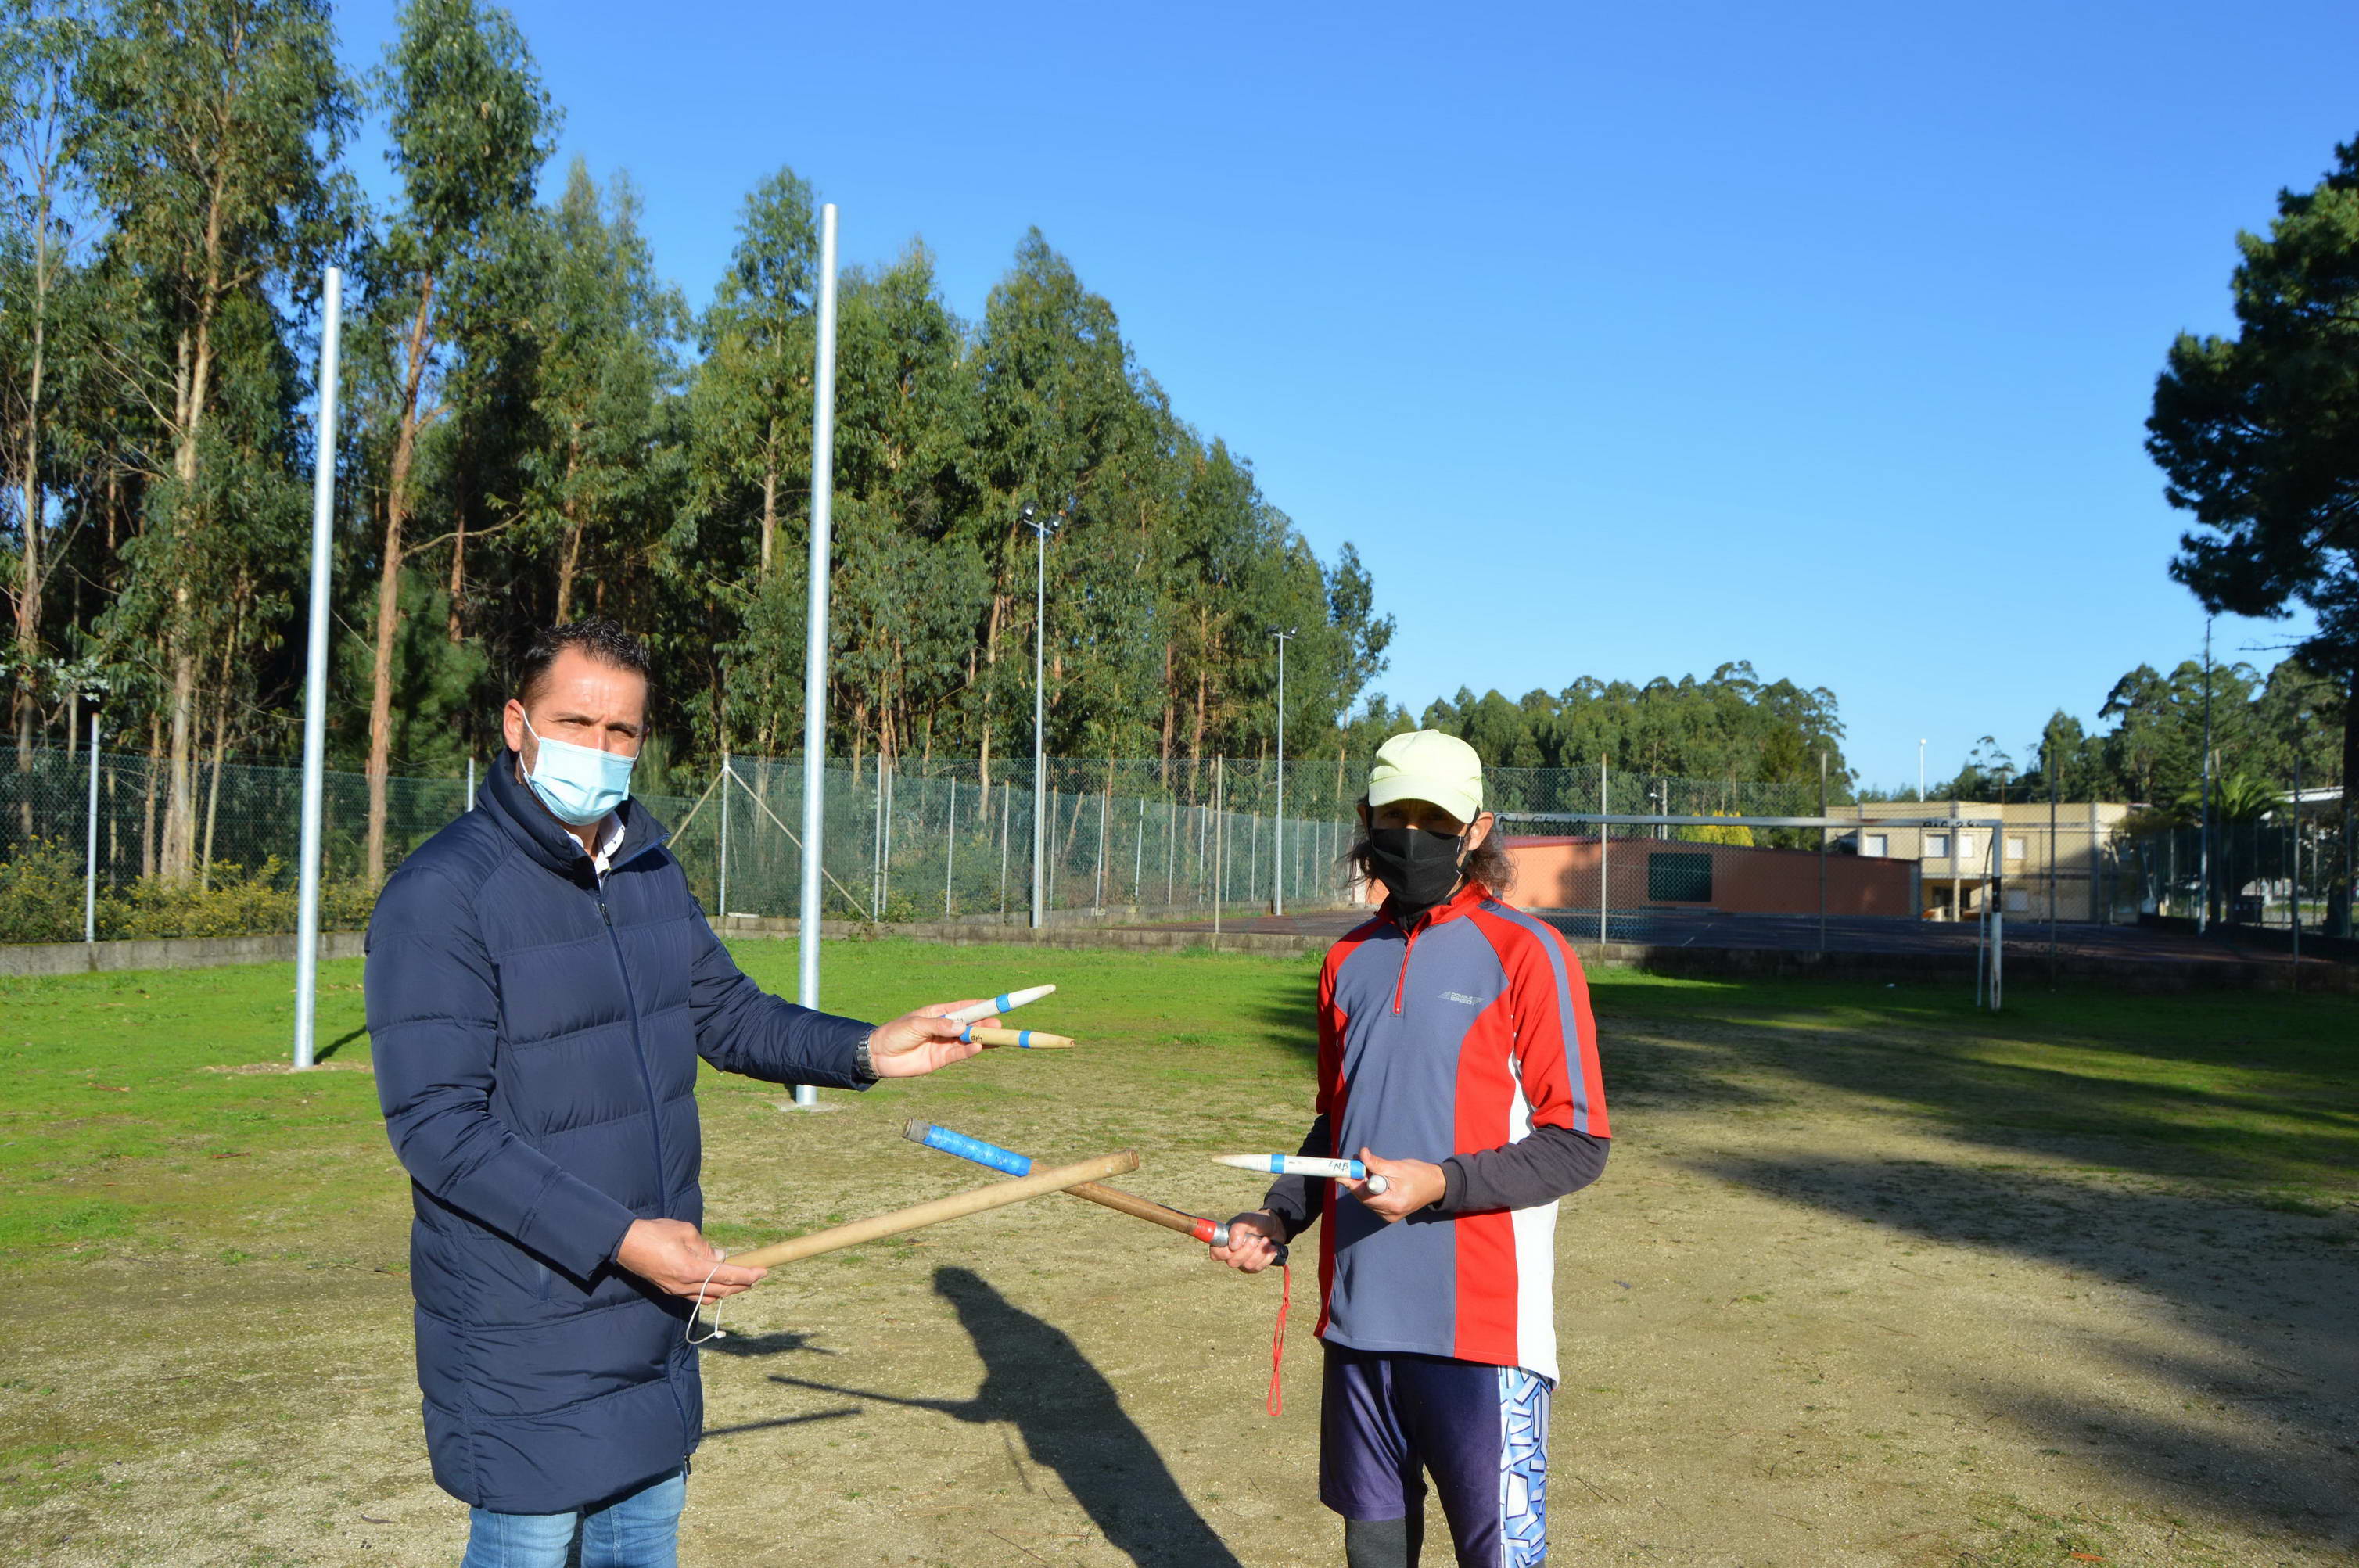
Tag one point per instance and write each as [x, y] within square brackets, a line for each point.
[674, 1256]
[916, 1043]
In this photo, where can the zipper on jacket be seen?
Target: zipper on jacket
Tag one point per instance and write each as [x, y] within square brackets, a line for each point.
[1400, 984]
[638, 1050]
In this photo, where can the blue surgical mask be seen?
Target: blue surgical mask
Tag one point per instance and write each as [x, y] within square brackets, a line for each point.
[578, 784]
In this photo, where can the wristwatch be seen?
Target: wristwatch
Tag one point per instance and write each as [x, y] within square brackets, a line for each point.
[862, 1063]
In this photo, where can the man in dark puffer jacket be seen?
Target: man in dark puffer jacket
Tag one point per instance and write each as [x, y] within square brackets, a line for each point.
[540, 987]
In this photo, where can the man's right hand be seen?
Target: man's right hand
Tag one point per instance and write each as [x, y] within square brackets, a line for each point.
[674, 1256]
[1252, 1243]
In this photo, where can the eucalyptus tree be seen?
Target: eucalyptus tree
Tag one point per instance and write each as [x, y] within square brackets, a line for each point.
[210, 149]
[1053, 403]
[42, 43]
[748, 469]
[468, 129]
[911, 587]
[602, 477]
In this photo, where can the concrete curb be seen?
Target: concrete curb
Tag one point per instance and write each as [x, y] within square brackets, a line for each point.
[1688, 963]
[165, 953]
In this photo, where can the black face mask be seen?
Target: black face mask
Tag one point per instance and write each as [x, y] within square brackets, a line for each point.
[1420, 867]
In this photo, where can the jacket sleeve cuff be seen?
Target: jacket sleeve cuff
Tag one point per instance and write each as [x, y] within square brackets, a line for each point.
[1453, 1185]
[576, 1227]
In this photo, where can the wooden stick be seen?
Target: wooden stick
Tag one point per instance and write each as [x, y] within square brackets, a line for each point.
[999, 1194]
[1028, 1039]
[1147, 1209]
[1215, 1232]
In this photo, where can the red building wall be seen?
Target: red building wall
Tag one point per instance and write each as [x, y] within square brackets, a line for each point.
[1562, 873]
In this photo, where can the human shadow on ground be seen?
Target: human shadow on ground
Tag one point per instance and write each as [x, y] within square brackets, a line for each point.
[2267, 1397]
[1037, 1380]
[338, 1043]
[781, 1343]
[2137, 1143]
[1292, 1017]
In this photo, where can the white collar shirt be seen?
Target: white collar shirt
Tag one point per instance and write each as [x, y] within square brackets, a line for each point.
[610, 839]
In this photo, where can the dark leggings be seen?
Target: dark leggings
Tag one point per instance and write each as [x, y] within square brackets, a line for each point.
[1384, 1544]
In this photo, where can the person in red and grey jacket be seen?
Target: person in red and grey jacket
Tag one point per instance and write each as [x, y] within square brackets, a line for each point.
[1457, 1057]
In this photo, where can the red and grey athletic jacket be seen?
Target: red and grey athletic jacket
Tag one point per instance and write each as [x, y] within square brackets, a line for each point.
[1464, 1039]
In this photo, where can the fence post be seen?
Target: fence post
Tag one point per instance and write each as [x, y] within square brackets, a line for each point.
[1006, 810]
[1139, 858]
[950, 847]
[1171, 849]
[1603, 899]
[1219, 847]
[90, 851]
[884, 835]
[1106, 804]
[1823, 851]
[2296, 855]
[721, 896]
[1253, 853]
[2097, 872]
[1999, 911]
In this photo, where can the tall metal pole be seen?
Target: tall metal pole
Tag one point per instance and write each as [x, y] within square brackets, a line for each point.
[2203, 847]
[90, 854]
[1039, 752]
[1277, 845]
[1920, 769]
[721, 896]
[470, 783]
[315, 677]
[823, 525]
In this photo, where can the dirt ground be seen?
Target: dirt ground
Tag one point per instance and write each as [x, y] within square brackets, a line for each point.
[1803, 1321]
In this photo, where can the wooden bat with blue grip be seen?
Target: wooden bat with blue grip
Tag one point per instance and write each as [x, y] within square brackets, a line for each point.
[949, 1141]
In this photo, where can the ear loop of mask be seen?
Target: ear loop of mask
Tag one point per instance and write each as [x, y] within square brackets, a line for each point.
[688, 1330]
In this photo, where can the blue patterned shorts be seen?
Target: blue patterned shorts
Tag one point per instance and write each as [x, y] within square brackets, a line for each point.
[1388, 1420]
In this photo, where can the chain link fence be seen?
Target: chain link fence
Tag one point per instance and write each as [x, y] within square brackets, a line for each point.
[942, 840]
[947, 839]
[2268, 872]
[903, 840]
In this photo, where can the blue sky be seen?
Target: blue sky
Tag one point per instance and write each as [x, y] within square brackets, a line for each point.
[1622, 340]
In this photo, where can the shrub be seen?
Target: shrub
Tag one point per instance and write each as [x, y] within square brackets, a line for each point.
[42, 893]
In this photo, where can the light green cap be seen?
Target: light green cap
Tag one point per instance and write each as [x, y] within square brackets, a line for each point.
[1427, 765]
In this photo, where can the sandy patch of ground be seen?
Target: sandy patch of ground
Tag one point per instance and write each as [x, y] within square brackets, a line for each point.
[1802, 1323]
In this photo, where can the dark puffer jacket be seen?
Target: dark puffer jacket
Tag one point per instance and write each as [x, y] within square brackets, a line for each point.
[536, 1038]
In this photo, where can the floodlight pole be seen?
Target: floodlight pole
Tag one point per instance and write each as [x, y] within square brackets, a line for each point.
[1278, 839]
[1041, 528]
[822, 520]
[315, 677]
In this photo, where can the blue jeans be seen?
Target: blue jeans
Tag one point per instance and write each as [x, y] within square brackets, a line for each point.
[641, 1531]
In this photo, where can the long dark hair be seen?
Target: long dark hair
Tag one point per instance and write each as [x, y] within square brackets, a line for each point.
[1488, 863]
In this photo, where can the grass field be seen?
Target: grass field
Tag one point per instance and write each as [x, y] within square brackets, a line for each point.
[1872, 1279]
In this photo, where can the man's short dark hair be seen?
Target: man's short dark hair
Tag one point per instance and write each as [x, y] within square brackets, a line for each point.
[596, 637]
